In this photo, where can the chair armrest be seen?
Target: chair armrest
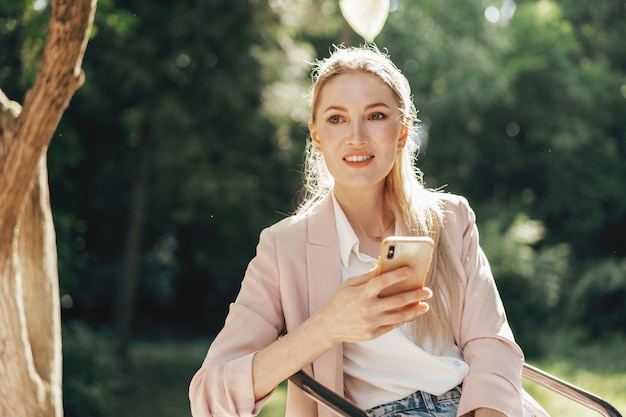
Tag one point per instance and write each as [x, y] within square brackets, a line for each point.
[323, 395]
[568, 390]
[345, 408]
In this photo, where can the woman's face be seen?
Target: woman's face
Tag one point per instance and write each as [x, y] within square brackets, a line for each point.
[358, 129]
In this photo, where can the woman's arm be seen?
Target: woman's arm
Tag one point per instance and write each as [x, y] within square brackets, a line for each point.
[480, 324]
[355, 313]
[248, 359]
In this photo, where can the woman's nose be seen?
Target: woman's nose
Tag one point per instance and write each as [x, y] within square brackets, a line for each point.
[357, 134]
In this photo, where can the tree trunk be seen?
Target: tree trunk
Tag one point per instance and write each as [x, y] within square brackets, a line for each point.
[30, 329]
[129, 278]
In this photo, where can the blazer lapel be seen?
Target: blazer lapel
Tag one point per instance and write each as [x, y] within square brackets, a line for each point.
[324, 277]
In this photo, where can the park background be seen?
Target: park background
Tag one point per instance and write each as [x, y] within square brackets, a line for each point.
[187, 137]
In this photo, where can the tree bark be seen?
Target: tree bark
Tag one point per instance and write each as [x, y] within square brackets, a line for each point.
[30, 329]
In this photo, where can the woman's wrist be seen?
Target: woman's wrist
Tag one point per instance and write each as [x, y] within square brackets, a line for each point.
[487, 412]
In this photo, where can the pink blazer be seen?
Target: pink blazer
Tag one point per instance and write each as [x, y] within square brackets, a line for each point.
[293, 275]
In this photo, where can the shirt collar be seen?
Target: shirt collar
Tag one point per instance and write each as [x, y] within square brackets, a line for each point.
[348, 240]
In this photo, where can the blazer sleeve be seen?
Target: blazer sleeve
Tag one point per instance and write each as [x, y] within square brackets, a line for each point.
[481, 327]
[223, 385]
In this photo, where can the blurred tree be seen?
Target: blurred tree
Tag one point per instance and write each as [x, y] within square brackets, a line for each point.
[524, 115]
[181, 138]
[452, 58]
[525, 112]
[597, 305]
[576, 137]
[186, 138]
[30, 384]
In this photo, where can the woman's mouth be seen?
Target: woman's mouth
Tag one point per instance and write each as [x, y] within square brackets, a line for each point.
[358, 158]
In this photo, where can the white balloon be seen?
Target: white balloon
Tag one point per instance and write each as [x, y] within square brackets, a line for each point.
[366, 17]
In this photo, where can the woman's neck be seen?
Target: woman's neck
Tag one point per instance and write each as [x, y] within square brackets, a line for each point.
[367, 213]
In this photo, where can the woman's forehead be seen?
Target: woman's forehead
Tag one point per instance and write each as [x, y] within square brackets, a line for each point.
[356, 85]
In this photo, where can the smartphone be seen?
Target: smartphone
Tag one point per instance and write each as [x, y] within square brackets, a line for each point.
[413, 251]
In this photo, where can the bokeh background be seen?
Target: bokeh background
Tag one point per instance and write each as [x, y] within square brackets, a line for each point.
[187, 137]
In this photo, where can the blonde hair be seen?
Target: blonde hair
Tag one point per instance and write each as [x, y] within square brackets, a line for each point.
[417, 210]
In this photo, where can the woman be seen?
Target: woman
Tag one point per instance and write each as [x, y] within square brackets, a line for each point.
[309, 299]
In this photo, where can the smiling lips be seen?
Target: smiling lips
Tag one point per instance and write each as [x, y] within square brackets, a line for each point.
[358, 158]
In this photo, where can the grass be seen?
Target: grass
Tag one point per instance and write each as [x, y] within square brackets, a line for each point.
[609, 386]
[598, 367]
[159, 379]
[162, 370]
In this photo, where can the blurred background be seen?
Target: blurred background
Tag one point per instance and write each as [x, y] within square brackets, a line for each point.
[187, 137]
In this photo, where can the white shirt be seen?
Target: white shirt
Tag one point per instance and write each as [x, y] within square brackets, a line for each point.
[391, 366]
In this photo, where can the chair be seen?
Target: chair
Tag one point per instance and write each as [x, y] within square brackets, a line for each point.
[345, 408]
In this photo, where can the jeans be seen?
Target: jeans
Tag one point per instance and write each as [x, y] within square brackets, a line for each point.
[421, 404]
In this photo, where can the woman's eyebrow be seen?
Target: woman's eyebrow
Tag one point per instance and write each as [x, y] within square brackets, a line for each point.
[336, 108]
[379, 104]
[368, 107]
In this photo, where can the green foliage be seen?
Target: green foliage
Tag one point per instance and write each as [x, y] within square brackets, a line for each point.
[23, 33]
[175, 82]
[91, 372]
[521, 114]
[530, 277]
[524, 117]
[158, 380]
[569, 131]
[597, 301]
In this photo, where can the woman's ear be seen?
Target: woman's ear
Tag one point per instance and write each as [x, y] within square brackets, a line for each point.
[404, 134]
[313, 133]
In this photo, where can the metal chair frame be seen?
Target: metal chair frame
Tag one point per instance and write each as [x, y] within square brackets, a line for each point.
[345, 408]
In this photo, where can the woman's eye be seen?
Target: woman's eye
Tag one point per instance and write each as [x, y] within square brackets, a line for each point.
[378, 116]
[334, 119]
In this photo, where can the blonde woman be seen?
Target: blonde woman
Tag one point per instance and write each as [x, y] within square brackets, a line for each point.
[309, 298]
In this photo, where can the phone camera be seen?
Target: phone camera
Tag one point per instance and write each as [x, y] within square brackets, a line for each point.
[391, 251]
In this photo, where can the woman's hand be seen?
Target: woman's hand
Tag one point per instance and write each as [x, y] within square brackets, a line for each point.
[356, 313]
